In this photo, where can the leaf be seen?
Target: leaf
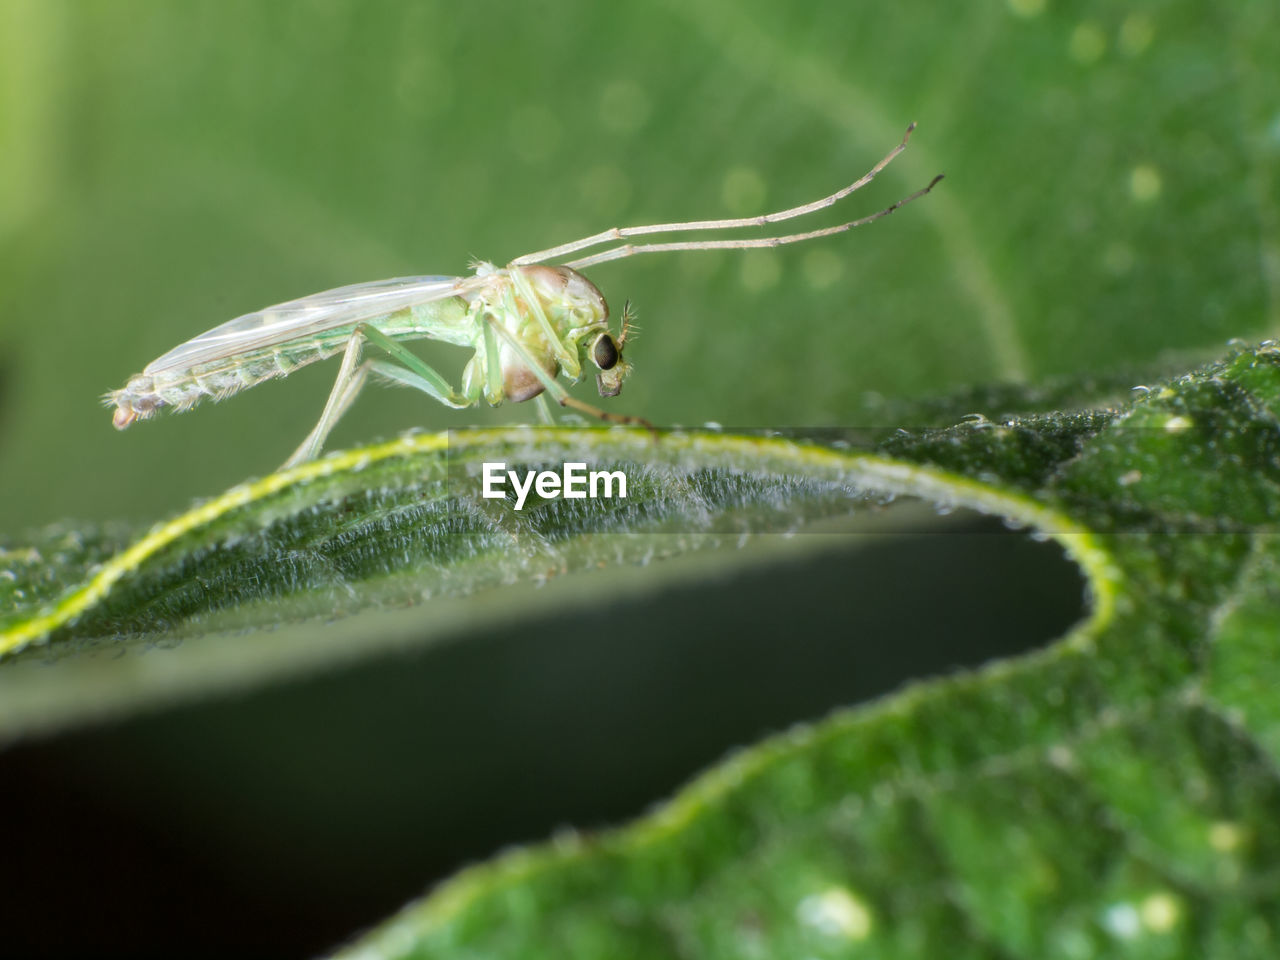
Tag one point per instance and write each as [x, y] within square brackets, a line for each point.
[1115, 793]
[374, 529]
[1108, 208]
[1116, 788]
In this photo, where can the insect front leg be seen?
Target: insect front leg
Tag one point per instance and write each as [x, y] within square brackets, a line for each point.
[558, 392]
[494, 389]
[544, 410]
[567, 359]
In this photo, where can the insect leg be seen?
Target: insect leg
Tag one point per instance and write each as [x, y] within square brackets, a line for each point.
[544, 410]
[494, 388]
[410, 378]
[557, 391]
[350, 380]
[413, 371]
[568, 362]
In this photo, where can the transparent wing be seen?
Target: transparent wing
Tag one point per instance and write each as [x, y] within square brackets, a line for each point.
[310, 315]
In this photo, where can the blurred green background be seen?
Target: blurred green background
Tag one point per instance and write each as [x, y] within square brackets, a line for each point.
[1110, 206]
[164, 167]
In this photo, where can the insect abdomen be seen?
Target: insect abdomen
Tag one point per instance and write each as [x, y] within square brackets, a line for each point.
[180, 390]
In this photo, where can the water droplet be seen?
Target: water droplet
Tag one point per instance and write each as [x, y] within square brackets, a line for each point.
[1027, 8]
[1160, 912]
[1122, 920]
[822, 267]
[836, 912]
[1136, 34]
[1226, 836]
[1088, 43]
[1118, 259]
[1144, 183]
[625, 107]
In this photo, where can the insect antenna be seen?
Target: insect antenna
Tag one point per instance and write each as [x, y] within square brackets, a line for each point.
[623, 233]
[632, 249]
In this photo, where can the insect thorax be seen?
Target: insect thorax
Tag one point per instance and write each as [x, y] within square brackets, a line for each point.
[520, 299]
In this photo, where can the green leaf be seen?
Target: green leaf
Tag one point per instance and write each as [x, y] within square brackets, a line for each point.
[1114, 795]
[1115, 792]
[1108, 215]
[371, 530]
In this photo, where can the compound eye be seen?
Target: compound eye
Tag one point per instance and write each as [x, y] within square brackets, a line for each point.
[605, 352]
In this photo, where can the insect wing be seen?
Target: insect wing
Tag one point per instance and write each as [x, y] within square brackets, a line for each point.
[307, 316]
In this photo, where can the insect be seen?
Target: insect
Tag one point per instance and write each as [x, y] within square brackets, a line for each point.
[527, 323]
